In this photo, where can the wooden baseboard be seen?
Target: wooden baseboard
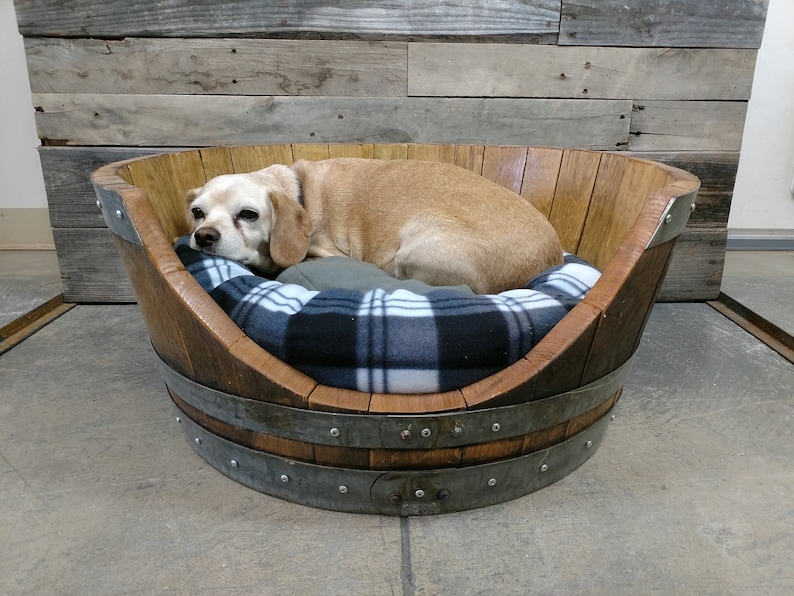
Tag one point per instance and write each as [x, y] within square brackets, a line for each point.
[26, 325]
[769, 333]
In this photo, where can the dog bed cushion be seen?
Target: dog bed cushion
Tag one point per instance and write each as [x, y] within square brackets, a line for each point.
[385, 335]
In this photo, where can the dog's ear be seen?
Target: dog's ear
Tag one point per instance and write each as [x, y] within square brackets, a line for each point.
[290, 231]
[191, 195]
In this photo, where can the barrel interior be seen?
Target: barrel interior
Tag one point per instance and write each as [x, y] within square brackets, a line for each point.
[606, 208]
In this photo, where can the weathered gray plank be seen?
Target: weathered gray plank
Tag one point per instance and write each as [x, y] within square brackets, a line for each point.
[203, 18]
[217, 66]
[695, 271]
[186, 120]
[67, 180]
[687, 126]
[717, 173]
[510, 70]
[677, 23]
[91, 269]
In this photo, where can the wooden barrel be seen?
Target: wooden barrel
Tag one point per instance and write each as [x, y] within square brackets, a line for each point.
[271, 427]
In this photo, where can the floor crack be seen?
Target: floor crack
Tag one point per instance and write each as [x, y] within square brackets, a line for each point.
[406, 568]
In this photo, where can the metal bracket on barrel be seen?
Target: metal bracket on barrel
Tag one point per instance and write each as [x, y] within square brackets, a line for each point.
[398, 492]
[115, 214]
[674, 219]
[393, 431]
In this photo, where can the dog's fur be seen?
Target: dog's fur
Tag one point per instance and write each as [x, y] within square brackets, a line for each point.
[430, 221]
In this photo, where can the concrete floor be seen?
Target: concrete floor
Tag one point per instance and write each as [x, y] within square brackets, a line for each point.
[692, 491]
[27, 280]
[763, 282]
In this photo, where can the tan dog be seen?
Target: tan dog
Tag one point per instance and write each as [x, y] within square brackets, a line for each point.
[430, 221]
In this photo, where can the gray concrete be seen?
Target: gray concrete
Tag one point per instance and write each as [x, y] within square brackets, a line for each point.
[27, 280]
[692, 491]
[762, 281]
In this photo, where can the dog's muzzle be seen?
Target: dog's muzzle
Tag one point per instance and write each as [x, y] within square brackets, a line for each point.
[206, 237]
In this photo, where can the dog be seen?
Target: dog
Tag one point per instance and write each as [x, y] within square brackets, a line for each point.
[431, 221]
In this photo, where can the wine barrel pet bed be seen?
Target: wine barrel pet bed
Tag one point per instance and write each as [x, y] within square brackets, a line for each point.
[264, 423]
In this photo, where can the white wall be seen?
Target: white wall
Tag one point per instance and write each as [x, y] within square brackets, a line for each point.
[762, 202]
[23, 201]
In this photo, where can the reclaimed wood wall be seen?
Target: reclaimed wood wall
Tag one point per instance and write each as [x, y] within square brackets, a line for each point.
[110, 79]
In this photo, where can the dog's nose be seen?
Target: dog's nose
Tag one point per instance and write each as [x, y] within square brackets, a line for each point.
[206, 237]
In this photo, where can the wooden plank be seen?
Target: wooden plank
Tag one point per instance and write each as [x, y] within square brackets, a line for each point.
[540, 177]
[351, 150]
[696, 268]
[216, 161]
[336, 399]
[624, 295]
[91, 270]
[618, 197]
[577, 178]
[586, 420]
[416, 403]
[511, 385]
[511, 70]
[314, 152]
[67, 180]
[14, 334]
[390, 151]
[208, 18]
[470, 157]
[492, 451]
[250, 159]
[166, 180]
[542, 439]
[429, 152]
[396, 459]
[677, 23]
[505, 166]
[217, 67]
[687, 126]
[717, 173]
[202, 121]
[341, 457]
[560, 356]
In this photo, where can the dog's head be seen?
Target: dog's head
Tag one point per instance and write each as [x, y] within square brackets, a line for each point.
[252, 218]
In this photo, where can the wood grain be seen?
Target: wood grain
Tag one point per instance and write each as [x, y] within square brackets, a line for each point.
[695, 272]
[91, 270]
[67, 180]
[510, 70]
[682, 23]
[505, 166]
[167, 180]
[577, 178]
[201, 121]
[540, 177]
[687, 126]
[217, 67]
[208, 18]
[717, 173]
[619, 194]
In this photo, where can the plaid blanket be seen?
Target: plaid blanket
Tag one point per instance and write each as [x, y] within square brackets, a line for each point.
[391, 342]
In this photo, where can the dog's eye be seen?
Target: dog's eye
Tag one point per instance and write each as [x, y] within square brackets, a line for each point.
[248, 214]
[197, 213]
